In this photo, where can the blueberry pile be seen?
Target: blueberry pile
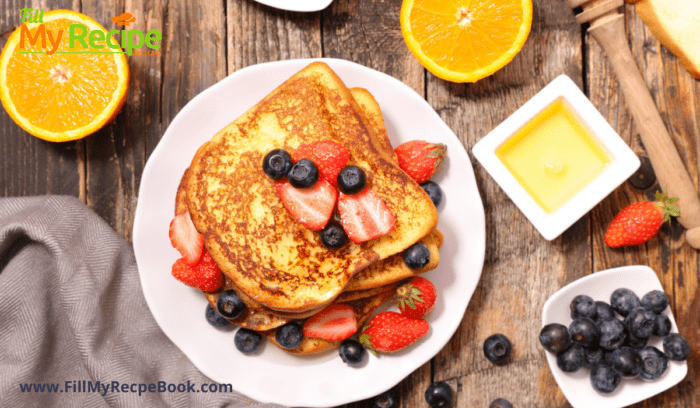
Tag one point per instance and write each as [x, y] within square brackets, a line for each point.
[616, 348]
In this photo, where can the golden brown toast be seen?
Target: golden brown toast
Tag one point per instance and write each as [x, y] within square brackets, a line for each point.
[267, 254]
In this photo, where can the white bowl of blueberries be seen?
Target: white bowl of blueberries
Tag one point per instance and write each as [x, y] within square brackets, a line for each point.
[611, 339]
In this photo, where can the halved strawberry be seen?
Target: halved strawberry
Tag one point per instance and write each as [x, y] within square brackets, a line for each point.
[328, 156]
[364, 216]
[312, 206]
[335, 322]
[204, 275]
[185, 238]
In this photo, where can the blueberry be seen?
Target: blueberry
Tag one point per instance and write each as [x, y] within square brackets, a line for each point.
[351, 351]
[605, 312]
[641, 323]
[571, 359]
[654, 363]
[635, 343]
[555, 338]
[333, 236]
[214, 318]
[612, 334]
[500, 403]
[277, 163]
[303, 174]
[351, 180]
[434, 191]
[594, 357]
[604, 379]
[416, 256]
[229, 305]
[584, 332]
[497, 348]
[438, 394]
[584, 306]
[290, 335]
[626, 362]
[623, 301]
[663, 325]
[656, 301]
[385, 400]
[644, 177]
[676, 347]
[247, 341]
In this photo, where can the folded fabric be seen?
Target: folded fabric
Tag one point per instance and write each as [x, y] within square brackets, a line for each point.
[75, 329]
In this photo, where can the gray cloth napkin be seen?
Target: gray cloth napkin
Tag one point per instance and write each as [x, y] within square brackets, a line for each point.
[72, 313]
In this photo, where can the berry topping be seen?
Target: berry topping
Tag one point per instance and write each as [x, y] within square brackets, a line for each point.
[247, 341]
[185, 238]
[438, 395]
[420, 159]
[555, 338]
[388, 332]
[416, 256]
[277, 163]
[334, 322]
[312, 207]
[229, 305]
[329, 157]
[417, 298]
[364, 216]
[351, 180]
[214, 318]
[351, 351]
[290, 335]
[303, 174]
[333, 236]
[434, 192]
[204, 275]
[676, 347]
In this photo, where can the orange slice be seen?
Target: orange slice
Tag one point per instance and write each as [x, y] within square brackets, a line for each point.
[465, 40]
[64, 96]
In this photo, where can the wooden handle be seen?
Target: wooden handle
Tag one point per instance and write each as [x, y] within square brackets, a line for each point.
[609, 31]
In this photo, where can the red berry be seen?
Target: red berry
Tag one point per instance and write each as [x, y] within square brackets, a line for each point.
[335, 322]
[185, 238]
[388, 332]
[639, 222]
[312, 206]
[364, 216]
[417, 298]
[204, 275]
[328, 156]
[420, 159]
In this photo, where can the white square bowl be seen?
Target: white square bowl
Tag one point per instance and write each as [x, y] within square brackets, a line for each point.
[577, 386]
[623, 160]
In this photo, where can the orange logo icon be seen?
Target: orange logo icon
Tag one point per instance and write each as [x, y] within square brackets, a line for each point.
[124, 19]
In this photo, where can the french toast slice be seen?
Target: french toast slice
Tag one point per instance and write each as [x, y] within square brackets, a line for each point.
[267, 254]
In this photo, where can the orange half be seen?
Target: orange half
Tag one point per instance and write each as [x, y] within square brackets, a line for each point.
[67, 95]
[465, 40]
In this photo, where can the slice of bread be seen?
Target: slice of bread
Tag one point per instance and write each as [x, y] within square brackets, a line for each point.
[676, 23]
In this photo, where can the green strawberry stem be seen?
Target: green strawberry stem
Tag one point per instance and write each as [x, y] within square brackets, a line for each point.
[664, 205]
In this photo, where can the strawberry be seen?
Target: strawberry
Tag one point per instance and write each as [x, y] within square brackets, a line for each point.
[335, 322]
[417, 298]
[364, 216]
[204, 275]
[420, 159]
[185, 238]
[388, 332]
[328, 156]
[312, 206]
[638, 222]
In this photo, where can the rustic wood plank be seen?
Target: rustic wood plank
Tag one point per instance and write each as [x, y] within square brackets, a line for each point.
[31, 166]
[521, 268]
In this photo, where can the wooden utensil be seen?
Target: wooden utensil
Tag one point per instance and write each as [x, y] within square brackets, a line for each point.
[608, 28]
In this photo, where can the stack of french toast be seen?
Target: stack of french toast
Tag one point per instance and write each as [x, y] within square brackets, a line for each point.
[278, 267]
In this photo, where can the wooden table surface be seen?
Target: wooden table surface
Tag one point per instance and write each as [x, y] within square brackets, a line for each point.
[203, 41]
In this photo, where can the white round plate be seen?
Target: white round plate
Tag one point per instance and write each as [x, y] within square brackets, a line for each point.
[273, 375]
[297, 5]
[600, 285]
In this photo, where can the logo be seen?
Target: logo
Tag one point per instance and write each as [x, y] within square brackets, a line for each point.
[91, 41]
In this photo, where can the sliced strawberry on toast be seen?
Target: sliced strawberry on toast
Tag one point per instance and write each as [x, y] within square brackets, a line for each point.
[185, 238]
[328, 156]
[204, 275]
[312, 206]
[335, 322]
[364, 216]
